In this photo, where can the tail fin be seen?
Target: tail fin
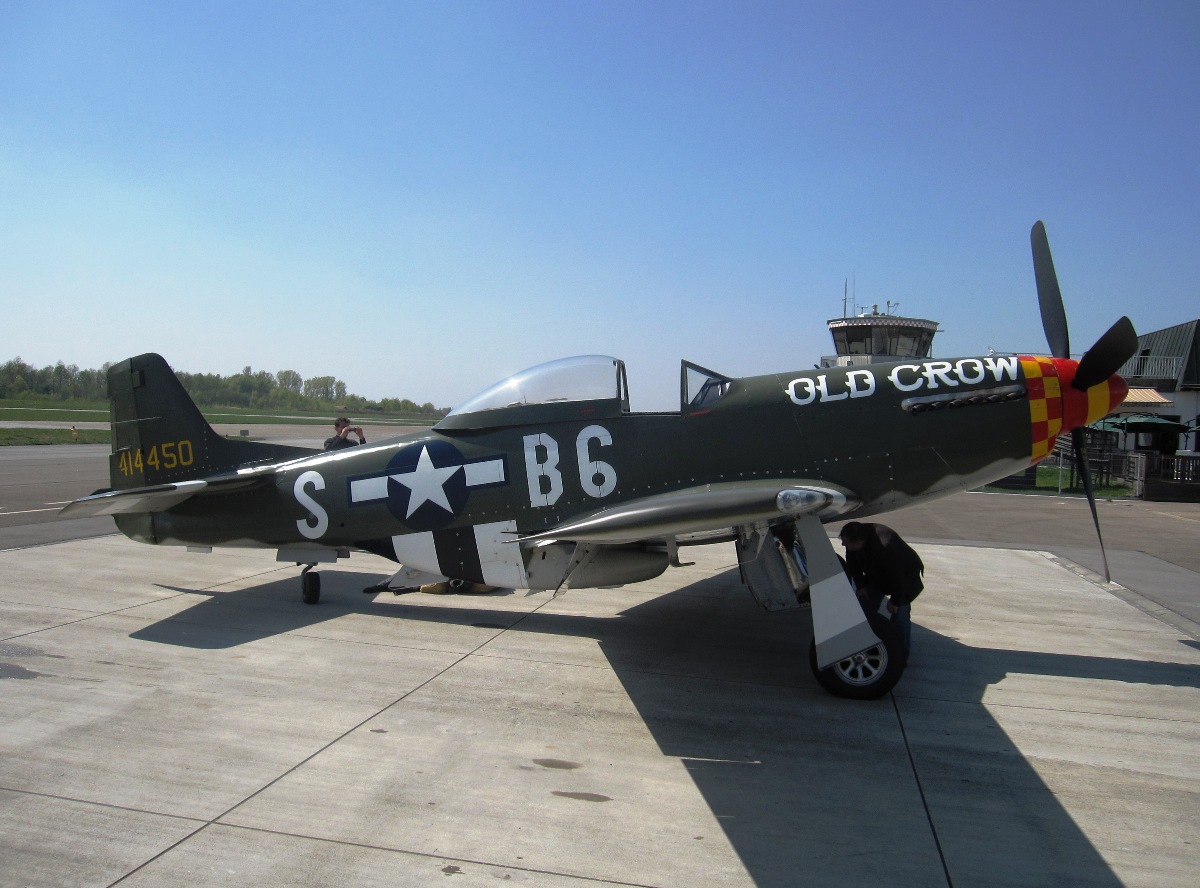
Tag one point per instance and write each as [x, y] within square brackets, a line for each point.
[160, 437]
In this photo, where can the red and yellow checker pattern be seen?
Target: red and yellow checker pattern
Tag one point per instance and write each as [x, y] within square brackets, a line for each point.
[1056, 406]
[1045, 404]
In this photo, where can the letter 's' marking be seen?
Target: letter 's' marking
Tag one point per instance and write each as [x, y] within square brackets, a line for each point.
[314, 526]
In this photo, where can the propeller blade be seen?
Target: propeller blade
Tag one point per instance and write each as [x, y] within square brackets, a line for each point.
[1054, 316]
[1080, 450]
[1105, 358]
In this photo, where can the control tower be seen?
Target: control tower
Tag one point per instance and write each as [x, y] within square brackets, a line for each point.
[873, 337]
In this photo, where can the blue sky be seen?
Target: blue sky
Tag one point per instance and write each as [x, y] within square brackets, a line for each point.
[421, 198]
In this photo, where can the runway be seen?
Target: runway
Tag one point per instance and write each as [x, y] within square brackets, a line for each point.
[172, 718]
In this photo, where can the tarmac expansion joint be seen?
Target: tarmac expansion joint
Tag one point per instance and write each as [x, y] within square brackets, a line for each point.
[1163, 614]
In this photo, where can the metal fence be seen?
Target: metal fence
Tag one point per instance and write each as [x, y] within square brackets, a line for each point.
[1156, 367]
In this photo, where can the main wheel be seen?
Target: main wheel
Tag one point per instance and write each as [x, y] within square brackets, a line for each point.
[866, 675]
[310, 587]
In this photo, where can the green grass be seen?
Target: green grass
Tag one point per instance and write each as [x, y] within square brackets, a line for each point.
[15, 437]
[48, 404]
[46, 413]
[248, 415]
[1048, 481]
[18, 410]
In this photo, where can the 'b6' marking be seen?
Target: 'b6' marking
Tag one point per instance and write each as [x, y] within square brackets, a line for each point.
[596, 477]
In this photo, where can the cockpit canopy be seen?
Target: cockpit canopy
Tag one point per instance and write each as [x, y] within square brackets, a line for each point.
[584, 387]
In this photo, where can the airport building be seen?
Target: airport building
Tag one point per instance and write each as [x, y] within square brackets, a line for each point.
[873, 337]
[1159, 422]
[1164, 383]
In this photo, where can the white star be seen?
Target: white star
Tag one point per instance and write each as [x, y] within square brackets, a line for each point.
[425, 483]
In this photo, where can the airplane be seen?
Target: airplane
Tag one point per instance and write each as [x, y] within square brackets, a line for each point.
[547, 480]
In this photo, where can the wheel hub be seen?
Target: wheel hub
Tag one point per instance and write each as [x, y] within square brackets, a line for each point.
[864, 667]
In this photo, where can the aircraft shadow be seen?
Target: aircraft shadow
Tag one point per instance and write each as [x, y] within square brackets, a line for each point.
[220, 620]
[806, 787]
[813, 790]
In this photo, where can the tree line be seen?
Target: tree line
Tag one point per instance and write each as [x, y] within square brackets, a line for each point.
[258, 389]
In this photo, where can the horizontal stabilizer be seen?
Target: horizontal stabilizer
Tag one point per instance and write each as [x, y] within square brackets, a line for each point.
[158, 498]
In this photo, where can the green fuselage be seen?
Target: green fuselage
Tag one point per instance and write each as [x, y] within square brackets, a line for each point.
[883, 435]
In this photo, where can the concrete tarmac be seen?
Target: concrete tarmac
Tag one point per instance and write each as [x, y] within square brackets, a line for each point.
[169, 718]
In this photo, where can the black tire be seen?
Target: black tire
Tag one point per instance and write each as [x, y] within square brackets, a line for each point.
[867, 675]
[310, 587]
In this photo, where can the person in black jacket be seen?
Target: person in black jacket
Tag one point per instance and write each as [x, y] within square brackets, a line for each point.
[341, 435]
[882, 564]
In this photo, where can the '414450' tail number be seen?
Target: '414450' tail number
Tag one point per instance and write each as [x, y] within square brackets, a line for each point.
[160, 457]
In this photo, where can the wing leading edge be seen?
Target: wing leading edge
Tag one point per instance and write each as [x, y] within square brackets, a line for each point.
[700, 509]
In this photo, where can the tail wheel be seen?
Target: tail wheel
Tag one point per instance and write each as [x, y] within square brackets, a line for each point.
[868, 674]
[310, 587]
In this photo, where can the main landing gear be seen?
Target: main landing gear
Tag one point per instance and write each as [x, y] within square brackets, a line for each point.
[853, 654]
[868, 674]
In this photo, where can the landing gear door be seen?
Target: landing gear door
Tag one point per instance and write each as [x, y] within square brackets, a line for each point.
[773, 566]
[840, 628]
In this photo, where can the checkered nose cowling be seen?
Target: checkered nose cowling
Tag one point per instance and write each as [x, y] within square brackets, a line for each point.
[1056, 406]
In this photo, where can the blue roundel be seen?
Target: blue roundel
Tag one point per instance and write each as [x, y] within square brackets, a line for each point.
[426, 487]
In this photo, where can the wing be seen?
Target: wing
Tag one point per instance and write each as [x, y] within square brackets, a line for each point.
[840, 628]
[702, 509]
